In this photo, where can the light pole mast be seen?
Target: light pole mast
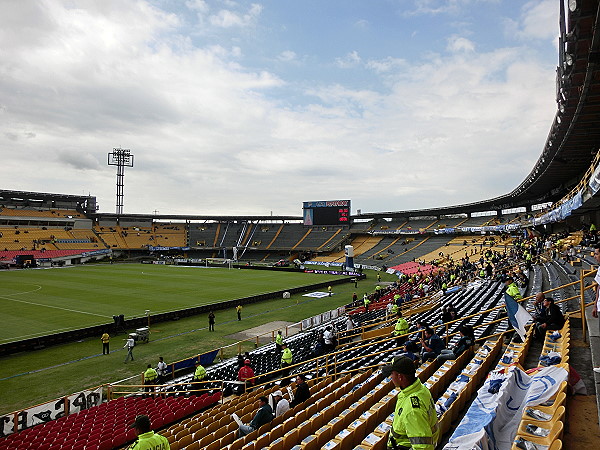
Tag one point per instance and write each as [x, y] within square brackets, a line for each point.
[120, 157]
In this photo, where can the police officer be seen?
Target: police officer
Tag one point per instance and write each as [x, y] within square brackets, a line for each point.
[279, 341]
[400, 328]
[147, 439]
[415, 424]
[199, 375]
[512, 289]
[286, 356]
[150, 377]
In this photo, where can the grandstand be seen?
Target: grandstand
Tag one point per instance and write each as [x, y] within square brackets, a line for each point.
[352, 405]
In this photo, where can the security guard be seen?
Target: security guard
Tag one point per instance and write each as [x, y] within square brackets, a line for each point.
[512, 289]
[286, 356]
[367, 302]
[147, 439]
[279, 341]
[415, 424]
[150, 376]
[199, 375]
[238, 309]
[400, 329]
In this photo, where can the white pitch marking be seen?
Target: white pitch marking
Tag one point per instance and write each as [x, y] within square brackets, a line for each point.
[51, 306]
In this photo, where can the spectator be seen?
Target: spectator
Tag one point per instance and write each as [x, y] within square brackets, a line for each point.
[551, 318]
[150, 377]
[432, 345]
[279, 404]
[263, 416]
[146, 438]
[411, 350]
[211, 321]
[328, 339]
[246, 374]
[537, 305]
[415, 422]
[302, 391]
[466, 341]
[161, 370]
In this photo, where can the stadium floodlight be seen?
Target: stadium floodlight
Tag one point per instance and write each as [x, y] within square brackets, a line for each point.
[121, 158]
[572, 5]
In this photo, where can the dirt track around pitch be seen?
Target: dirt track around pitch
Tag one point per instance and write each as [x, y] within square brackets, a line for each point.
[264, 331]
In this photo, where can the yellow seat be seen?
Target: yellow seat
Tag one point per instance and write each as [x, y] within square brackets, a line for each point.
[555, 433]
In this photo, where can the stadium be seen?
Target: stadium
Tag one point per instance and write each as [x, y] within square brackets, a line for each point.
[347, 292]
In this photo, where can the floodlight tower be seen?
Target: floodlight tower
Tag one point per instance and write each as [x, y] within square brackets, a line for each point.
[120, 157]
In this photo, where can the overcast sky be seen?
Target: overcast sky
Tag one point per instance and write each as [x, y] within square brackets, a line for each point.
[236, 107]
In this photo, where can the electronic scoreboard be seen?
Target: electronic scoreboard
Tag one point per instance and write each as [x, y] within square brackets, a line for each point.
[331, 212]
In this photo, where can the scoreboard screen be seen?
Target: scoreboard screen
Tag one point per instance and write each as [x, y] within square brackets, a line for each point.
[332, 212]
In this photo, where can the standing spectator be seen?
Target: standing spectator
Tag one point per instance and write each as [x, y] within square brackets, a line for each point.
[161, 370]
[354, 298]
[328, 339]
[129, 344]
[302, 391]
[280, 405]
[211, 321]
[105, 343]
[415, 422]
[432, 345]
[150, 377]
[147, 439]
[279, 341]
[238, 310]
[246, 374]
[263, 416]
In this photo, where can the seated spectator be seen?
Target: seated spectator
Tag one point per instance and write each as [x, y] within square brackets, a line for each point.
[302, 391]
[146, 438]
[263, 416]
[411, 351]
[466, 341]
[246, 374]
[550, 318]
[279, 404]
[432, 345]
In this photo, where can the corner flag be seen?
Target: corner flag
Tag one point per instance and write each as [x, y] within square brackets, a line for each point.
[517, 315]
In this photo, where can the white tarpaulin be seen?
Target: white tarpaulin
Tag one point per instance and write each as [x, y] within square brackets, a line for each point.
[492, 420]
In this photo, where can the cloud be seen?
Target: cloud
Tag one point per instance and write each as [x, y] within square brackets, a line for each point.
[350, 60]
[227, 18]
[212, 133]
[287, 56]
[460, 44]
[537, 21]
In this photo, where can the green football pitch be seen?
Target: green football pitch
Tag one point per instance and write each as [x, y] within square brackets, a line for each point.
[46, 301]
[39, 302]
